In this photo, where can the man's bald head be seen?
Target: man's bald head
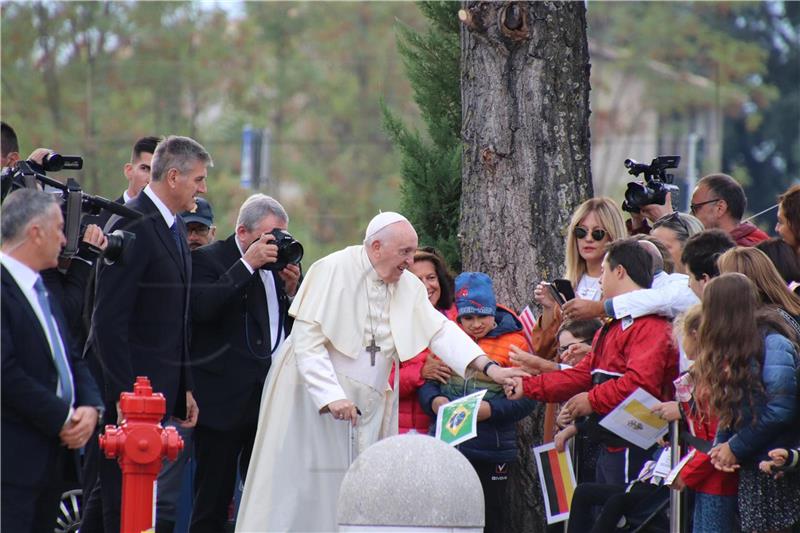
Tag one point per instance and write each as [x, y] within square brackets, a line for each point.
[655, 253]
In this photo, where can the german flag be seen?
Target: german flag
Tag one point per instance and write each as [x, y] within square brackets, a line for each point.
[558, 482]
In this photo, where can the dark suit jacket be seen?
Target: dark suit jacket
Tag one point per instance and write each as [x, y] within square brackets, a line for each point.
[32, 413]
[230, 335]
[141, 311]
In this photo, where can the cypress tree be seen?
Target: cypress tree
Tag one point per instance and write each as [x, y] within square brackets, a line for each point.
[431, 163]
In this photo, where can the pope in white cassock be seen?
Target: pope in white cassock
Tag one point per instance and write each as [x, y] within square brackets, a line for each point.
[357, 312]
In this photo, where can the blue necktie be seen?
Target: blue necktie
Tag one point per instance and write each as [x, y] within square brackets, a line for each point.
[59, 357]
[176, 235]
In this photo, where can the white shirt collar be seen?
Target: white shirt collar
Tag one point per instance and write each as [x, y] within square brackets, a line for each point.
[169, 217]
[24, 275]
[125, 197]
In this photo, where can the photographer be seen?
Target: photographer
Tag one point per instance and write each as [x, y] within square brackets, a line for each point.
[240, 301]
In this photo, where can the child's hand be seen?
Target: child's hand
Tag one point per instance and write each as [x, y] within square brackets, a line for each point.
[563, 419]
[573, 355]
[533, 364]
[667, 411]
[678, 484]
[778, 458]
[563, 436]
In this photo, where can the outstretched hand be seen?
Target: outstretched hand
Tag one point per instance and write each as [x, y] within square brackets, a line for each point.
[529, 362]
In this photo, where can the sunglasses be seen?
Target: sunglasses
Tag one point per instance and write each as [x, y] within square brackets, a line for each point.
[673, 217]
[597, 234]
[694, 207]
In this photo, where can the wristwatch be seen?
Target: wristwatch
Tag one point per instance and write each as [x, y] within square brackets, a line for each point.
[487, 365]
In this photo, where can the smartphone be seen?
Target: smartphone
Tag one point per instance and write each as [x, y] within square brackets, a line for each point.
[555, 294]
[565, 288]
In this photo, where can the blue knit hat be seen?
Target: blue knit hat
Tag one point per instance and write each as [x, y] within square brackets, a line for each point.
[475, 294]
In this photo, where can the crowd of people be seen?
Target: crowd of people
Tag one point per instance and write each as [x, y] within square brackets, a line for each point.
[281, 378]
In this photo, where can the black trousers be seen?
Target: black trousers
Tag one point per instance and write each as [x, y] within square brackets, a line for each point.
[494, 478]
[102, 507]
[218, 453]
[34, 509]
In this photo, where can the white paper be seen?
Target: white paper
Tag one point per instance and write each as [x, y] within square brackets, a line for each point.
[634, 421]
[674, 473]
[664, 463]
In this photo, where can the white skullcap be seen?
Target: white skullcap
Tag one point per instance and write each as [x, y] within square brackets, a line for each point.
[381, 220]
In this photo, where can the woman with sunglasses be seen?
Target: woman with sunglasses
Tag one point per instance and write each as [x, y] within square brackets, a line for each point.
[673, 231]
[594, 224]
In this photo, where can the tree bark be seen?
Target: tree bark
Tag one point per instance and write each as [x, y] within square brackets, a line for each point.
[525, 112]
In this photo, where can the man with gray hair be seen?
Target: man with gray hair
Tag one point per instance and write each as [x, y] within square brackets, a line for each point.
[140, 322]
[240, 318]
[50, 403]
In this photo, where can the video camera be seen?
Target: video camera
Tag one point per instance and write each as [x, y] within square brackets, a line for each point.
[657, 183]
[75, 204]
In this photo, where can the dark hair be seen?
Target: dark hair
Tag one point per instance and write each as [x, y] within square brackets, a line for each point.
[702, 250]
[783, 257]
[446, 284]
[637, 262]
[790, 204]
[144, 145]
[581, 329]
[726, 188]
[8, 139]
[666, 263]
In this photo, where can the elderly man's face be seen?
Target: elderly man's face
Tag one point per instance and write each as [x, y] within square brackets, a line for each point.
[395, 253]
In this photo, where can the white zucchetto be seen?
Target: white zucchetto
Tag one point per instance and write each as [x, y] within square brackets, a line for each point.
[381, 220]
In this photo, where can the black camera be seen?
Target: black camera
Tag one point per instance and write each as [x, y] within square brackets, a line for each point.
[290, 251]
[657, 183]
[75, 204]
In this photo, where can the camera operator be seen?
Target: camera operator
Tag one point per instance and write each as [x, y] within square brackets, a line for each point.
[67, 283]
[719, 202]
[9, 146]
[642, 222]
[240, 304]
[50, 402]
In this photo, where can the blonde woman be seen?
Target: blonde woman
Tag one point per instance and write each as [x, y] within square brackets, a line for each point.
[594, 224]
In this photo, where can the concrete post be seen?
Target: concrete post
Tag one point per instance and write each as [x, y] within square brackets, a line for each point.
[410, 483]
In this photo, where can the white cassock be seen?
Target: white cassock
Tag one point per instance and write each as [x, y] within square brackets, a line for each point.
[300, 456]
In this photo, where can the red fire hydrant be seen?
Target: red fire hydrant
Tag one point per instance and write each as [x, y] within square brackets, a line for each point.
[139, 445]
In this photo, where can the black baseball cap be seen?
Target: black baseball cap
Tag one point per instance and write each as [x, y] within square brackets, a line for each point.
[202, 213]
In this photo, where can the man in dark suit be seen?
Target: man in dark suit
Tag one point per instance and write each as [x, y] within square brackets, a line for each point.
[239, 319]
[140, 321]
[50, 403]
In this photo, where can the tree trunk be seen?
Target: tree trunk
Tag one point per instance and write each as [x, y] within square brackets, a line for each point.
[525, 113]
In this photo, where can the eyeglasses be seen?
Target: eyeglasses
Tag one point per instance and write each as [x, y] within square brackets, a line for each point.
[201, 231]
[694, 207]
[597, 234]
[562, 349]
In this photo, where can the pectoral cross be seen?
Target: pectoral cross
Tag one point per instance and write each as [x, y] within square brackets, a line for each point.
[373, 349]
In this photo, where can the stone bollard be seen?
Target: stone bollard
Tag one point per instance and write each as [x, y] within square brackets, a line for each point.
[410, 483]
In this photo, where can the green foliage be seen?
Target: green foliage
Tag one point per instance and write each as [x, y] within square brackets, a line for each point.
[91, 77]
[431, 165]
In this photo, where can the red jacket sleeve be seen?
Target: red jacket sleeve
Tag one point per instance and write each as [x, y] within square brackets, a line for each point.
[410, 375]
[562, 385]
[650, 362]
